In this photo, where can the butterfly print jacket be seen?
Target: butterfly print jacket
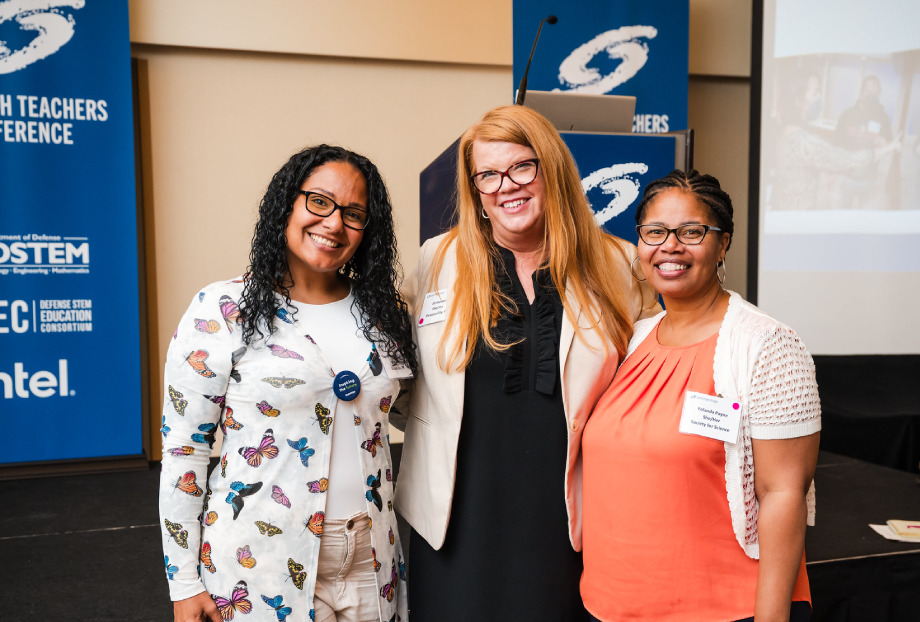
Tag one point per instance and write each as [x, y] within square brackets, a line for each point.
[428, 466]
[250, 533]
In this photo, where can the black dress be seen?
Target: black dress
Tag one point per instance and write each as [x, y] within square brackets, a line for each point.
[507, 554]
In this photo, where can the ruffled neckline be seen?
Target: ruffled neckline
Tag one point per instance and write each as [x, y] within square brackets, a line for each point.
[510, 326]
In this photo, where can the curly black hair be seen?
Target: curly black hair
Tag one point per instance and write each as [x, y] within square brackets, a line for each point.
[373, 270]
[705, 187]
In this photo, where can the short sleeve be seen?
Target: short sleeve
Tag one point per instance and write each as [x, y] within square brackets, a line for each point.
[784, 401]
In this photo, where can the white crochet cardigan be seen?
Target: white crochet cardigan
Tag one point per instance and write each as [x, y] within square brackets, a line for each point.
[763, 365]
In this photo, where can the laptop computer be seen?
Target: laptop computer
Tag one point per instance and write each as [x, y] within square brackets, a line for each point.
[584, 112]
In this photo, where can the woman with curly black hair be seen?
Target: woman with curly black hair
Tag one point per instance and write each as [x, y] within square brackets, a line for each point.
[297, 362]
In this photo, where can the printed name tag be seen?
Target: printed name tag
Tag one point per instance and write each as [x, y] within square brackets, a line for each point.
[394, 370]
[710, 416]
[434, 309]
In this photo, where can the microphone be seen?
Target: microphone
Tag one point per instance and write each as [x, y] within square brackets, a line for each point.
[522, 88]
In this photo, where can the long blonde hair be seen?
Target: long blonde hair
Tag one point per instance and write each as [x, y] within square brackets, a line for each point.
[577, 252]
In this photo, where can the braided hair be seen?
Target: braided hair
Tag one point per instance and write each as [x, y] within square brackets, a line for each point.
[704, 187]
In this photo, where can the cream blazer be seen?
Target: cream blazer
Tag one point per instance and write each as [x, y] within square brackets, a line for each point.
[425, 486]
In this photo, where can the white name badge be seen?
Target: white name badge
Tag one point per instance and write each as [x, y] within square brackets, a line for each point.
[395, 371]
[434, 309]
[710, 416]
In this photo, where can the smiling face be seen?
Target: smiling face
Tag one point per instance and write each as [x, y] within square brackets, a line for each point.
[676, 270]
[515, 211]
[318, 246]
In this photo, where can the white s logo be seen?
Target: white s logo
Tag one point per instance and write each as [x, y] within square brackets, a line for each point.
[54, 30]
[615, 180]
[622, 43]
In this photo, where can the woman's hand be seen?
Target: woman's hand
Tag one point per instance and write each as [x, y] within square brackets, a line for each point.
[783, 472]
[196, 608]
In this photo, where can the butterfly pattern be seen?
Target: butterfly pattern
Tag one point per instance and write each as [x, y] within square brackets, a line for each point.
[266, 519]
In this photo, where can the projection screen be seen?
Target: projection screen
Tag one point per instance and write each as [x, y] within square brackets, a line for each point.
[835, 172]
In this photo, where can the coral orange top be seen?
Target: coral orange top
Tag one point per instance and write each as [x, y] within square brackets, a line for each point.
[658, 539]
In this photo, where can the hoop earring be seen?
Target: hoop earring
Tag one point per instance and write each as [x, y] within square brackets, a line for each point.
[721, 278]
[632, 270]
[484, 215]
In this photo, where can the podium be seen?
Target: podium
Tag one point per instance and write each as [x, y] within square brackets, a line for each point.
[614, 166]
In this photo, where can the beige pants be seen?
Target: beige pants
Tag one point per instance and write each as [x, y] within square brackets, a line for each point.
[346, 585]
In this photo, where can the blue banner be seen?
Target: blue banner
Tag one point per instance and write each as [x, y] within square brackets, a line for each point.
[615, 168]
[70, 382]
[635, 48]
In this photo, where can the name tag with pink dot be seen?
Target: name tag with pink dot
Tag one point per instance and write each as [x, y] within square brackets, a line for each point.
[710, 416]
[434, 309]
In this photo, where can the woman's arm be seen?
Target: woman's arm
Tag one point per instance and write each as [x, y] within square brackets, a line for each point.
[196, 608]
[783, 472]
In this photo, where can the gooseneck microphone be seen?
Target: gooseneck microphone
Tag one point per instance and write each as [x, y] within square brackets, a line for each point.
[522, 88]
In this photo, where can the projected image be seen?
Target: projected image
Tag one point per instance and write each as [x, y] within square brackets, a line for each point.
[842, 133]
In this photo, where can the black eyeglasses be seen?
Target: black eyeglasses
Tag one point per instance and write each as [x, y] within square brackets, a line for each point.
[321, 205]
[691, 235]
[521, 173]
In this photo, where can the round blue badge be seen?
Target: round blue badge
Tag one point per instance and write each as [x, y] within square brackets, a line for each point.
[346, 385]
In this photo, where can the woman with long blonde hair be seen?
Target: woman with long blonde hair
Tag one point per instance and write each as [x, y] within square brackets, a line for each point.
[521, 313]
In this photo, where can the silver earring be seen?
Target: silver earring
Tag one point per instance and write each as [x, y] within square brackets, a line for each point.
[484, 215]
[632, 270]
[721, 278]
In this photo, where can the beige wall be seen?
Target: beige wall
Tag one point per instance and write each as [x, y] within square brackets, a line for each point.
[229, 92]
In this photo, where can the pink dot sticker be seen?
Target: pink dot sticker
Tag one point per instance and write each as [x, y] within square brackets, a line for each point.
[421, 321]
[736, 405]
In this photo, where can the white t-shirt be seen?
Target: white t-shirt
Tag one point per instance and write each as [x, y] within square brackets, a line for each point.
[334, 327]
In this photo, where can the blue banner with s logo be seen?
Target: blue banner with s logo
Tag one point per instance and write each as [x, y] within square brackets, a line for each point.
[615, 48]
[70, 382]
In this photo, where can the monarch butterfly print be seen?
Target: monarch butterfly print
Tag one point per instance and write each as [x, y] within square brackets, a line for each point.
[301, 447]
[388, 590]
[374, 442]
[324, 418]
[187, 483]
[385, 403]
[266, 449]
[357, 420]
[185, 450]
[176, 532]
[245, 558]
[267, 529]
[389, 475]
[223, 466]
[237, 602]
[319, 485]
[197, 360]
[315, 524]
[176, 398]
[298, 574]
[210, 518]
[310, 339]
[279, 496]
[390, 506]
[283, 382]
[391, 536]
[231, 312]
[170, 569]
[374, 557]
[266, 409]
[276, 603]
[205, 557]
[284, 353]
[373, 494]
[229, 422]
[206, 326]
